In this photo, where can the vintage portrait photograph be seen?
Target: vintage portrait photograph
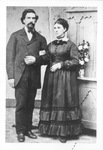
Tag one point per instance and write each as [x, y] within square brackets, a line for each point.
[66, 104]
[51, 74]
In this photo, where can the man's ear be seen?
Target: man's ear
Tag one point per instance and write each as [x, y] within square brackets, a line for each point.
[23, 21]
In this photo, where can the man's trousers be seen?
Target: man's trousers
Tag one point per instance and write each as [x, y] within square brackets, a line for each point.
[25, 93]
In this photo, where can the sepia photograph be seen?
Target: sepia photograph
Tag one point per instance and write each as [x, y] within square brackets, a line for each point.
[55, 41]
[51, 74]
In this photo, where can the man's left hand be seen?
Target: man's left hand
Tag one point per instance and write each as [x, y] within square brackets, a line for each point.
[29, 60]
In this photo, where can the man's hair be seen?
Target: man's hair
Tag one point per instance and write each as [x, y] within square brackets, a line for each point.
[28, 11]
[63, 22]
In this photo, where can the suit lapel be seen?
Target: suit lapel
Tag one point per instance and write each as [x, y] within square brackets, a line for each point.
[24, 35]
[33, 38]
[25, 38]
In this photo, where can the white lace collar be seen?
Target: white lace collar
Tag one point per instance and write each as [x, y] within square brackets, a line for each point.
[63, 39]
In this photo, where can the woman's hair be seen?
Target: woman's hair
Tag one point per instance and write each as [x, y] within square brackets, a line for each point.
[28, 11]
[63, 22]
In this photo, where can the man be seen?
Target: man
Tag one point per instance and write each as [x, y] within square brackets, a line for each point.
[23, 73]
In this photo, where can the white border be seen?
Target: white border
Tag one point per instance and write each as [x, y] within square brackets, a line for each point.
[96, 146]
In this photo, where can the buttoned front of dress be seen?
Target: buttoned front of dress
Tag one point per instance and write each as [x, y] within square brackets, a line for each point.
[60, 113]
[58, 52]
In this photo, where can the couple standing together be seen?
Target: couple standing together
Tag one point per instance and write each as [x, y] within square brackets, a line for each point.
[60, 114]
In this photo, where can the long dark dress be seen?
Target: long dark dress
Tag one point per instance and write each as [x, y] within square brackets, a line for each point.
[60, 113]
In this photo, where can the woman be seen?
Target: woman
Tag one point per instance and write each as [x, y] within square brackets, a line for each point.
[60, 114]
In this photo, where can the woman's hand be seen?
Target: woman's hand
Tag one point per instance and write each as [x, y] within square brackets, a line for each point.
[55, 67]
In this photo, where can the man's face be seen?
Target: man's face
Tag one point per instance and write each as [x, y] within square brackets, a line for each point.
[30, 20]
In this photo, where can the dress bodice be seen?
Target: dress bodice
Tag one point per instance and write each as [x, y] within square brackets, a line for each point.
[64, 52]
[59, 51]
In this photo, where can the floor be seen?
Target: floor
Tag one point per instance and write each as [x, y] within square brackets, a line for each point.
[88, 136]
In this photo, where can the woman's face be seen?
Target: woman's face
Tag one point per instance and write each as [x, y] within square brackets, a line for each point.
[59, 30]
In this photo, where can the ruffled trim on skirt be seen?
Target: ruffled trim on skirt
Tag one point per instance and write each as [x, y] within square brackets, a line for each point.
[60, 130]
[60, 122]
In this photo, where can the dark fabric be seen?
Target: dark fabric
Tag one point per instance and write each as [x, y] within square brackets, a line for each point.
[18, 47]
[59, 42]
[60, 113]
[25, 93]
[27, 78]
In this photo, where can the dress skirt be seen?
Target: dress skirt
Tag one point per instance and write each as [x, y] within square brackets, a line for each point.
[60, 113]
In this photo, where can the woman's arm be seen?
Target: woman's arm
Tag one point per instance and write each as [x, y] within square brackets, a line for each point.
[73, 60]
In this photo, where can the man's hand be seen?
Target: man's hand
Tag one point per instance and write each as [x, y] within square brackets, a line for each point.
[29, 60]
[55, 67]
[11, 82]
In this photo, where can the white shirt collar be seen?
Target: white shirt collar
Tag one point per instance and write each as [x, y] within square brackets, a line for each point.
[26, 29]
[29, 34]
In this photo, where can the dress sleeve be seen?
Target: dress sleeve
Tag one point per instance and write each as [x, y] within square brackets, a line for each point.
[44, 59]
[73, 59]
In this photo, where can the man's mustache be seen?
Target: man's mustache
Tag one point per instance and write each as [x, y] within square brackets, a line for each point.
[30, 25]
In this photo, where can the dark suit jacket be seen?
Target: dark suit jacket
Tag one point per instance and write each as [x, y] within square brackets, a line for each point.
[18, 47]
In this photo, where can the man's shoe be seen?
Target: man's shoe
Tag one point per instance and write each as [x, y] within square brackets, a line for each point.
[30, 134]
[21, 137]
[63, 139]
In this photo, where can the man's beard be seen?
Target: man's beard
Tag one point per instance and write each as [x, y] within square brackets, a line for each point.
[30, 27]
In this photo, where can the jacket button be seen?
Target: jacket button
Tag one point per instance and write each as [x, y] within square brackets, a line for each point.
[22, 63]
